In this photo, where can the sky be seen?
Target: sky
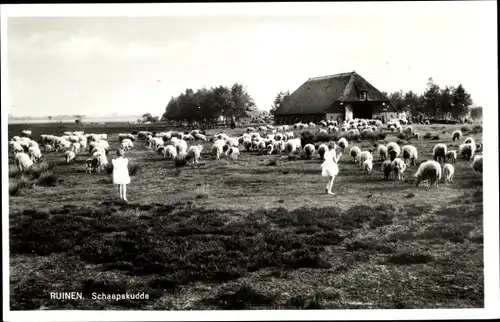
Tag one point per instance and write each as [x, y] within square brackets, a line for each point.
[133, 65]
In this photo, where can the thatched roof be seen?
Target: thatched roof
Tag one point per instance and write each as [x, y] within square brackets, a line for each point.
[318, 94]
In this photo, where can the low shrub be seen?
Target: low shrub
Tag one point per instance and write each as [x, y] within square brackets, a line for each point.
[435, 137]
[14, 189]
[47, 179]
[428, 135]
[465, 129]
[477, 129]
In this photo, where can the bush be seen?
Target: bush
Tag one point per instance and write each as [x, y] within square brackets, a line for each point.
[14, 189]
[180, 162]
[428, 135]
[477, 129]
[435, 137]
[47, 179]
[307, 137]
[133, 168]
[273, 162]
[13, 171]
[465, 129]
[292, 157]
[381, 135]
[402, 136]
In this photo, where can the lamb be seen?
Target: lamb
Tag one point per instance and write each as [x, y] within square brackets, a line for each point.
[363, 156]
[386, 168]
[439, 152]
[398, 167]
[309, 149]
[23, 161]
[410, 154]
[170, 152]
[382, 152]
[194, 152]
[448, 171]
[367, 166]
[232, 153]
[451, 156]
[342, 143]
[321, 150]
[429, 170]
[456, 135]
[35, 154]
[70, 156]
[261, 146]
[393, 150]
[289, 135]
[355, 152]
[477, 164]
[467, 150]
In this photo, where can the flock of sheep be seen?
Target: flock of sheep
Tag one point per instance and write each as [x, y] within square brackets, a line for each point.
[264, 140]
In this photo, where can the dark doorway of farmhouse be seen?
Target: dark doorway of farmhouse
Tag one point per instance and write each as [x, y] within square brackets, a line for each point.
[362, 110]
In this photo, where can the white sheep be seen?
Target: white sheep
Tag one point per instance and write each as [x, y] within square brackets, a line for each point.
[429, 170]
[200, 137]
[127, 144]
[448, 172]
[363, 156]
[217, 148]
[321, 150]
[232, 153]
[309, 150]
[69, 156]
[75, 147]
[416, 135]
[386, 168]
[467, 150]
[393, 150]
[451, 156]
[410, 154]
[279, 146]
[355, 152]
[15, 147]
[398, 167]
[477, 164]
[342, 143]
[194, 152]
[35, 154]
[470, 140]
[270, 148]
[382, 152]
[439, 152]
[170, 152]
[23, 161]
[181, 146]
[367, 166]
[456, 135]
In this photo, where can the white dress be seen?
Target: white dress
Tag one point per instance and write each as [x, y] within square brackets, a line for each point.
[120, 171]
[329, 166]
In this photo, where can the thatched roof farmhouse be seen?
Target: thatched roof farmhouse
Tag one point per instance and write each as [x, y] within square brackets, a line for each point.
[337, 97]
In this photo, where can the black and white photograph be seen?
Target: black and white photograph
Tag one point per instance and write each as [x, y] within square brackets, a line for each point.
[249, 161]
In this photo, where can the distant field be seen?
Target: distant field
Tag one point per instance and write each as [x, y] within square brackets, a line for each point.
[248, 234]
[72, 120]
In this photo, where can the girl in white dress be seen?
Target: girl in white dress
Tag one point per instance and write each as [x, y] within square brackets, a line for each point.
[120, 173]
[329, 166]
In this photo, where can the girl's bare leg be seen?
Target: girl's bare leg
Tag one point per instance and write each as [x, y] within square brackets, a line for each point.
[330, 186]
[121, 191]
[125, 192]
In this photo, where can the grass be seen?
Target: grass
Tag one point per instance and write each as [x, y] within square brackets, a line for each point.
[256, 233]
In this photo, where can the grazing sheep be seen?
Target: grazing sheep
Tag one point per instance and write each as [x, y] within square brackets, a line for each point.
[35, 154]
[382, 152]
[200, 137]
[247, 144]
[439, 152]
[217, 149]
[161, 150]
[75, 147]
[23, 161]
[342, 143]
[416, 135]
[355, 152]
[393, 150]
[48, 147]
[321, 150]
[367, 166]
[170, 152]
[233, 153]
[90, 165]
[470, 140]
[15, 147]
[291, 146]
[467, 150]
[279, 146]
[70, 156]
[309, 149]
[448, 171]
[427, 122]
[456, 135]
[451, 156]
[398, 167]
[363, 156]
[232, 142]
[270, 148]
[410, 155]
[408, 130]
[194, 152]
[477, 164]
[181, 146]
[429, 170]
[386, 168]
[127, 144]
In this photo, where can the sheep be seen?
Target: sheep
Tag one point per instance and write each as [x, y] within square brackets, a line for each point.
[200, 137]
[194, 152]
[48, 147]
[367, 166]
[98, 149]
[270, 148]
[126, 144]
[439, 152]
[232, 153]
[279, 146]
[451, 156]
[323, 131]
[477, 164]
[470, 140]
[363, 156]
[289, 135]
[247, 144]
[410, 154]
[170, 152]
[398, 167]
[217, 149]
[291, 146]
[382, 152]
[181, 146]
[386, 168]
[466, 150]
[101, 161]
[408, 130]
[393, 150]
[15, 147]
[309, 150]
[416, 135]
[69, 156]
[456, 135]
[35, 154]
[75, 147]
[429, 170]
[448, 171]
[342, 143]
[23, 161]
[427, 122]
[26, 133]
[355, 152]
[232, 142]
[321, 150]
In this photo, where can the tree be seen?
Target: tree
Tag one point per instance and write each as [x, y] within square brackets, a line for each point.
[278, 101]
[242, 101]
[50, 118]
[461, 102]
[476, 113]
[445, 101]
[431, 99]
